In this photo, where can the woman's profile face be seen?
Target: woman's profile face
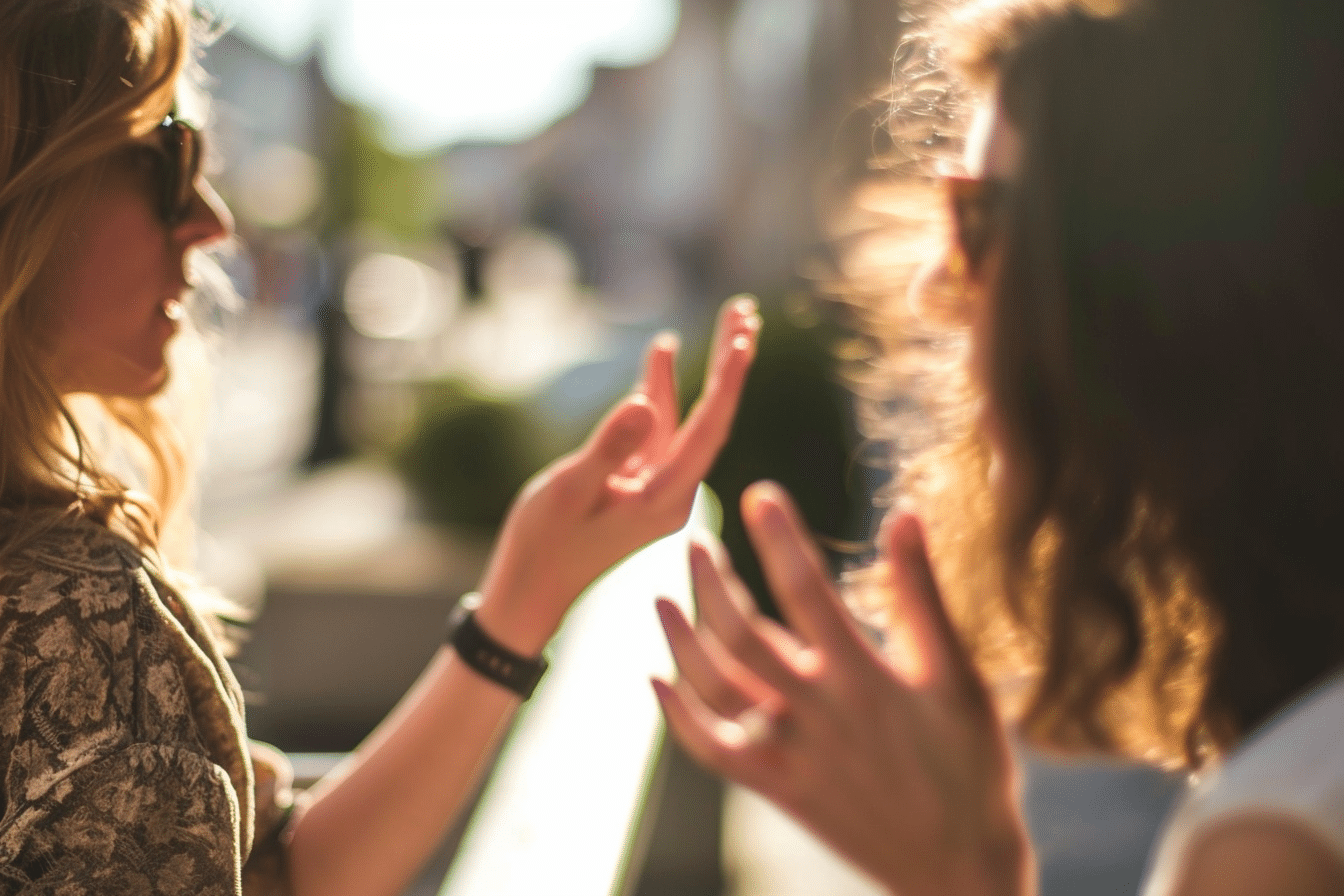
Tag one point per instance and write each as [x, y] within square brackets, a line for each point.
[111, 292]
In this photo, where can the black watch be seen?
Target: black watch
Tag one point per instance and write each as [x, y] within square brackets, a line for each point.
[487, 656]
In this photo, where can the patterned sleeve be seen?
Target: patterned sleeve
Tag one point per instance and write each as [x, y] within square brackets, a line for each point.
[88, 804]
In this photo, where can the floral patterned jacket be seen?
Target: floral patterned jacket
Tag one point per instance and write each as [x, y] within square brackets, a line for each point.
[122, 748]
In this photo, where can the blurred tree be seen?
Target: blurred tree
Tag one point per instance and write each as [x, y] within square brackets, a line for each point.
[793, 427]
[375, 187]
[468, 455]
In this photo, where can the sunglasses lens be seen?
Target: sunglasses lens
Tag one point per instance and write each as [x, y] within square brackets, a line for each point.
[182, 146]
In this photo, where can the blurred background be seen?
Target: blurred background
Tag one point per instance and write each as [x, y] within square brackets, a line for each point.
[459, 225]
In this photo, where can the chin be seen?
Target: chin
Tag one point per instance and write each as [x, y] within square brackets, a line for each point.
[133, 387]
[152, 386]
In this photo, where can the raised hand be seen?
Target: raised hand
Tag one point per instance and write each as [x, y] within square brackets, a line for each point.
[902, 767]
[633, 481]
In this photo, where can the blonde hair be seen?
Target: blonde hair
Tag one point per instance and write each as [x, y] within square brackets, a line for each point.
[78, 79]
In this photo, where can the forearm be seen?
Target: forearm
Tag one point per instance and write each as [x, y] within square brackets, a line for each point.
[373, 822]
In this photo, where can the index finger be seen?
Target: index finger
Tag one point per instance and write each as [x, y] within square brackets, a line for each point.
[706, 429]
[798, 576]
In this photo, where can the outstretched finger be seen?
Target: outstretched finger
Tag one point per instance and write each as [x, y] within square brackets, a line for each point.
[621, 435]
[726, 605]
[798, 576]
[709, 422]
[724, 685]
[939, 652]
[717, 743]
[768, 652]
[659, 385]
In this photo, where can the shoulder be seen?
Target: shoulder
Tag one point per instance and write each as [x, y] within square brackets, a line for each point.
[72, 565]
[1292, 765]
[67, 626]
[1271, 818]
[1258, 854]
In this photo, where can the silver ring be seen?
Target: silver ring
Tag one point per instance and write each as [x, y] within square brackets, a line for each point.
[751, 726]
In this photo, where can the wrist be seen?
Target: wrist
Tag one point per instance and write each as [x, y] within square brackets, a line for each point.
[487, 656]
[515, 624]
[1001, 864]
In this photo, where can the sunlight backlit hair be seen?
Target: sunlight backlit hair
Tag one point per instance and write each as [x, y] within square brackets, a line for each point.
[78, 78]
[1162, 359]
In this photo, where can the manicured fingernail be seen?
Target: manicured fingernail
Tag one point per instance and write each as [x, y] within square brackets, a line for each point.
[908, 531]
[666, 611]
[759, 496]
[667, 340]
[661, 689]
[702, 560]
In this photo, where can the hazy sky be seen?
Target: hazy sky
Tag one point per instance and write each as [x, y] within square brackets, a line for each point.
[444, 70]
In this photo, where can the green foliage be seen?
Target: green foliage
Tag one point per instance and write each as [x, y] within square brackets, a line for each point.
[793, 427]
[468, 455]
[373, 186]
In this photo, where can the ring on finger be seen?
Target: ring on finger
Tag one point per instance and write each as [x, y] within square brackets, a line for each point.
[751, 726]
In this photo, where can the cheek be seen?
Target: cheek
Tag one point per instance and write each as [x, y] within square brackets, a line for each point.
[106, 268]
[99, 301]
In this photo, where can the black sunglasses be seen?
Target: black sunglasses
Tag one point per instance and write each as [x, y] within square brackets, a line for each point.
[179, 166]
[977, 206]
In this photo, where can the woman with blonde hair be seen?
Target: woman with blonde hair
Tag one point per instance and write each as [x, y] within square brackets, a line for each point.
[1131, 475]
[124, 761]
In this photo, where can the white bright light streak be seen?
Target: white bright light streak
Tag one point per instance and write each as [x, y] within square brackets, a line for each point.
[440, 71]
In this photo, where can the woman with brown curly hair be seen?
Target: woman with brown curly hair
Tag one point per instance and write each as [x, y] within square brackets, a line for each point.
[1134, 489]
[124, 761]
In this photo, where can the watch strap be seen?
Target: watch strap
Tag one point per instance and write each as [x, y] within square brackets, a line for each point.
[487, 656]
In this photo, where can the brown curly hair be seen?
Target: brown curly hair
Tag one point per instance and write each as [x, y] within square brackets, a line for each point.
[1164, 346]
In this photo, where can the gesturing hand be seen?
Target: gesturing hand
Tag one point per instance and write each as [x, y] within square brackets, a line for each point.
[633, 481]
[901, 767]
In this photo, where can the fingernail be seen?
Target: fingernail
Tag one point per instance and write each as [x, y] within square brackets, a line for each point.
[702, 561]
[745, 304]
[665, 610]
[667, 340]
[910, 534]
[758, 496]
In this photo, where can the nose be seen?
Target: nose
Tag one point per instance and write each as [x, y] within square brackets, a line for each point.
[209, 220]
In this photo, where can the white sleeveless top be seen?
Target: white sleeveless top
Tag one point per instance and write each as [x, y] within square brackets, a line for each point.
[1292, 765]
